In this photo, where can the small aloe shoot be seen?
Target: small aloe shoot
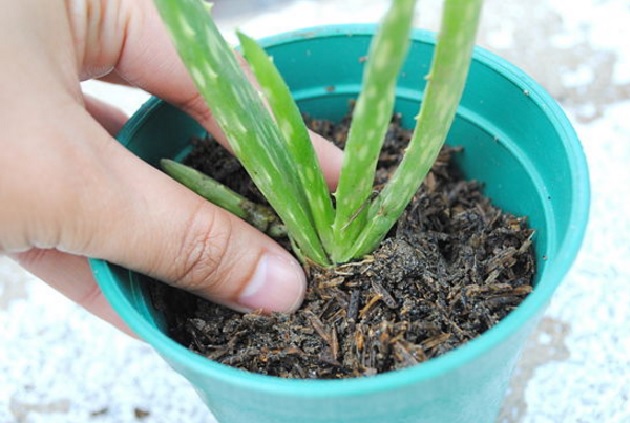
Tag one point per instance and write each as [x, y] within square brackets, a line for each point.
[261, 217]
[266, 132]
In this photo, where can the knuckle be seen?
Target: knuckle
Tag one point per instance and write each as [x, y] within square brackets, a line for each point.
[196, 106]
[30, 258]
[91, 297]
[200, 265]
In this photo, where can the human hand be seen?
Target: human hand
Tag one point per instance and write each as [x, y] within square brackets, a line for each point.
[69, 191]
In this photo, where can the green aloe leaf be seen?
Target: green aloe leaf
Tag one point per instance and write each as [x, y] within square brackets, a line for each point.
[446, 80]
[241, 114]
[371, 117]
[289, 120]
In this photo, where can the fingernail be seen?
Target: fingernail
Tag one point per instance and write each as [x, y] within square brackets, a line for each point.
[278, 284]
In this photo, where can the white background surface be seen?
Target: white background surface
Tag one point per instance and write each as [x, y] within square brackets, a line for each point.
[58, 364]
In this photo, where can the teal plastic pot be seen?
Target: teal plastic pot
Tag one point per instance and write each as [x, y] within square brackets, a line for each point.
[516, 140]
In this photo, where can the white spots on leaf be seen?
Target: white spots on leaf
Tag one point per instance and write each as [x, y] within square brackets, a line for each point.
[362, 153]
[359, 110]
[186, 28]
[264, 179]
[210, 72]
[383, 58]
[289, 216]
[287, 130]
[371, 93]
[239, 95]
[319, 204]
[309, 176]
[208, 6]
[220, 52]
[370, 135]
[198, 77]
[238, 126]
[344, 202]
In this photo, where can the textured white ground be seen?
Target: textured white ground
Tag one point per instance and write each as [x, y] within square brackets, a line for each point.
[58, 364]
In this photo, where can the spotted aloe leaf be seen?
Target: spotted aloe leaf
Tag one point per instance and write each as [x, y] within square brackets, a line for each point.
[239, 111]
[371, 117]
[289, 120]
[446, 80]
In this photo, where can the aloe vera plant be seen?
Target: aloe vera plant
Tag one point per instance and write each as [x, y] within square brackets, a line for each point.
[274, 146]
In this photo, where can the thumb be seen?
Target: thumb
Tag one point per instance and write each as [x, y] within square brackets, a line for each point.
[141, 219]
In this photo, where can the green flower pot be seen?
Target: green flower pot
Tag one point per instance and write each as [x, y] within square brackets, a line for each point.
[516, 141]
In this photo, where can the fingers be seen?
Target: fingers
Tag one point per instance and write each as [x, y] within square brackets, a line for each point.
[80, 192]
[69, 190]
[71, 276]
[138, 217]
[124, 211]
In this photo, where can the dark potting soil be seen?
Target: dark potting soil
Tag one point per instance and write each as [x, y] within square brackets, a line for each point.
[451, 268]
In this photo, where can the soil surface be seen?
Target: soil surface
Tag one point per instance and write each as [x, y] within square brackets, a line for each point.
[451, 268]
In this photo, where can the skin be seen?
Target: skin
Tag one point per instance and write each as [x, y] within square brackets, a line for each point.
[69, 191]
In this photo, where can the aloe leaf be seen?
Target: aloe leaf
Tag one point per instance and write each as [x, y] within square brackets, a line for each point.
[371, 117]
[446, 80]
[289, 120]
[262, 218]
[241, 114]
